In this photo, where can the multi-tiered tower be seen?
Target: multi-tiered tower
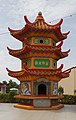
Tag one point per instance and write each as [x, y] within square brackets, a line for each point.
[39, 75]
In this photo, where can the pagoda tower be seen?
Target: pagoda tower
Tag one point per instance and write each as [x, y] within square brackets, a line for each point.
[39, 75]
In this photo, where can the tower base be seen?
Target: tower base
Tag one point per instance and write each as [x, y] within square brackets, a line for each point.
[39, 103]
[28, 107]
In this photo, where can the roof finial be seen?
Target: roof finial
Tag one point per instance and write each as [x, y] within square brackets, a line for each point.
[39, 17]
[39, 13]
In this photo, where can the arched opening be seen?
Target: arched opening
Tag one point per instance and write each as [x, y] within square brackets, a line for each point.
[42, 89]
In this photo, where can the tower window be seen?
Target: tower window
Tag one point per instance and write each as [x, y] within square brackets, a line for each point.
[54, 64]
[26, 63]
[41, 41]
[53, 44]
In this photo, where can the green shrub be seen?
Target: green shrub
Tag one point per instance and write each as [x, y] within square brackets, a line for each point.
[8, 97]
[4, 98]
[11, 98]
[69, 99]
[75, 99]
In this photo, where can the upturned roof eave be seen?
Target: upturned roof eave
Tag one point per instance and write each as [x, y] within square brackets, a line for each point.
[34, 48]
[55, 29]
[21, 34]
[38, 72]
[57, 53]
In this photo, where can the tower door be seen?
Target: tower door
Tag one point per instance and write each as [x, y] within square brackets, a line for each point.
[42, 89]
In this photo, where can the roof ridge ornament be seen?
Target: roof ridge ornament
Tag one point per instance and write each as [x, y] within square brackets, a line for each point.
[39, 17]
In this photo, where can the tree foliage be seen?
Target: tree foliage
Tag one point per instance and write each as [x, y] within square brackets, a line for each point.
[10, 85]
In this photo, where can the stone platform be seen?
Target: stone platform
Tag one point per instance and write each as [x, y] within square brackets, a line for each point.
[35, 108]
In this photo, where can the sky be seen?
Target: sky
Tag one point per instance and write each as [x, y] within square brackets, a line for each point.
[12, 14]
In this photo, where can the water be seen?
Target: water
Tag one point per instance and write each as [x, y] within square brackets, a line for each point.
[8, 112]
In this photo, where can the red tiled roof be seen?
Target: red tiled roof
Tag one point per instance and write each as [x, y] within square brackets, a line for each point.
[37, 48]
[2, 85]
[39, 26]
[39, 72]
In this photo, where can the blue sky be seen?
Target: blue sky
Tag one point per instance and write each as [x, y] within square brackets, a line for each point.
[11, 15]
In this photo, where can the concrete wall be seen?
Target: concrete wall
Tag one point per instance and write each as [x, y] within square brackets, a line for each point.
[69, 84]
